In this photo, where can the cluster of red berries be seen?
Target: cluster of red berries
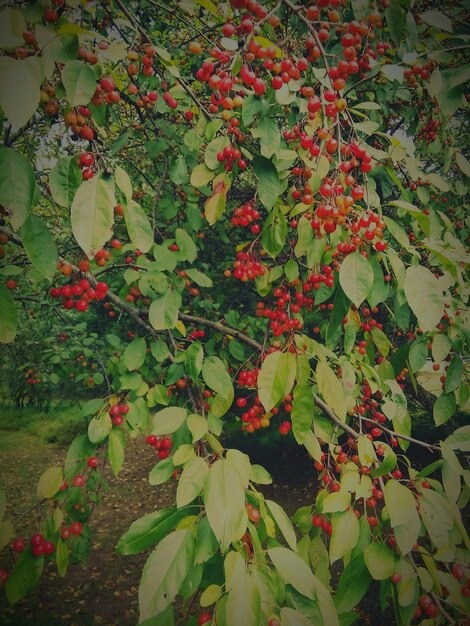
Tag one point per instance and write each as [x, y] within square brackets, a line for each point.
[253, 417]
[74, 529]
[85, 161]
[32, 377]
[418, 72]
[428, 132]
[228, 156]
[196, 334]
[82, 291]
[39, 546]
[320, 521]
[116, 413]
[106, 92]
[245, 216]
[162, 446]
[248, 378]
[170, 101]
[247, 267]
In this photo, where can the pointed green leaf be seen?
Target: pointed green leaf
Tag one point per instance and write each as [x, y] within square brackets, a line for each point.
[39, 246]
[356, 277]
[79, 81]
[93, 214]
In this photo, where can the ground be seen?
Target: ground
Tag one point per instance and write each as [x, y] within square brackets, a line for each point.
[106, 592]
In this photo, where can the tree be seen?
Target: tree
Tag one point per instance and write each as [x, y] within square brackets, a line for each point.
[272, 198]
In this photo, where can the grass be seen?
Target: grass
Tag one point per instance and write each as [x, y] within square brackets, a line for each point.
[59, 425]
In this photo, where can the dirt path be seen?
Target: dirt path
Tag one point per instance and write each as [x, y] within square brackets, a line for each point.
[105, 592]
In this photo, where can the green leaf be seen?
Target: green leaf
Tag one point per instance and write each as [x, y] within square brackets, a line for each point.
[168, 420]
[62, 557]
[268, 134]
[252, 105]
[276, 378]
[294, 571]
[116, 450]
[345, 534]
[138, 226]
[225, 503]
[214, 207]
[424, 296]
[400, 235]
[395, 21]
[64, 180]
[186, 245]
[135, 353]
[269, 185]
[20, 83]
[199, 278]
[161, 472]
[147, 531]
[259, 475]
[164, 573]
[79, 81]
[163, 312]
[454, 374]
[463, 164]
[192, 481]
[8, 315]
[356, 277]
[79, 451]
[283, 522]
[194, 356]
[17, 185]
[24, 576]
[437, 19]
[201, 176]
[243, 603]
[274, 233]
[336, 502]
[93, 214]
[418, 355]
[12, 26]
[39, 246]
[441, 345]
[380, 561]
[444, 408]
[303, 408]
[436, 513]
[294, 617]
[99, 428]
[216, 376]
[331, 389]
[400, 503]
[353, 584]
[178, 172]
[381, 340]
[50, 482]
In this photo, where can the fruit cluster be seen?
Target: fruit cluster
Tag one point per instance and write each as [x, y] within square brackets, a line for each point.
[117, 411]
[228, 156]
[162, 446]
[245, 216]
[247, 267]
[82, 291]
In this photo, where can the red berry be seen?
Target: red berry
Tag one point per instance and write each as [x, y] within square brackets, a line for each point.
[37, 539]
[48, 547]
[76, 528]
[204, 618]
[395, 578]
[92, 462]
[18, 545]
